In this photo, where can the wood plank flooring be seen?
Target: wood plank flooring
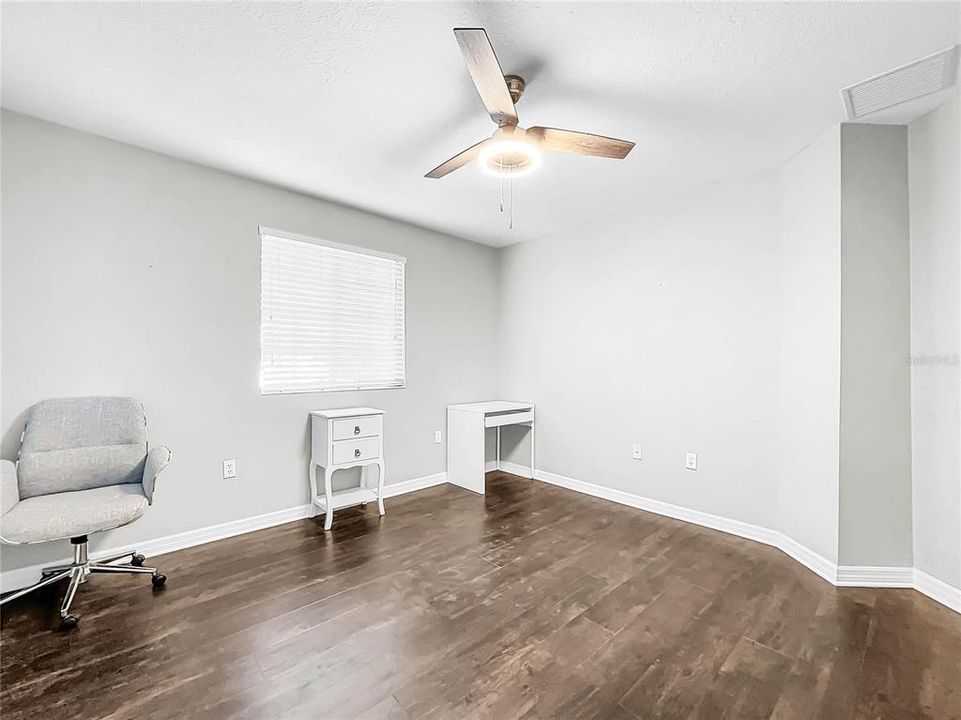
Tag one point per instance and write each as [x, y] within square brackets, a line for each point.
[531, 602]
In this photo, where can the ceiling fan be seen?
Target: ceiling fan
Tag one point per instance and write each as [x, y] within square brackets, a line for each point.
[512, 151]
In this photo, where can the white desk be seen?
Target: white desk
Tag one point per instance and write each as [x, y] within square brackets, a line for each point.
[466, 423]
[340, 439]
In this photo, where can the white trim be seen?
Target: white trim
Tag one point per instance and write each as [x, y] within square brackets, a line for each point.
[874, 576]
[409, 486]
[492, 465]
[938, 590]
[813, 561]
[512, 468]
[843, 576]
[283, 234]
[516, 469]
[804, 555]
[22, 577]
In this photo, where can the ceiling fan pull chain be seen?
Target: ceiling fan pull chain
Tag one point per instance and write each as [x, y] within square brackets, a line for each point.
[510, 202]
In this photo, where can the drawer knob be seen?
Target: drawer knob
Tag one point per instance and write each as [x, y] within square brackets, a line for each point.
[357, 452]
[356, 429]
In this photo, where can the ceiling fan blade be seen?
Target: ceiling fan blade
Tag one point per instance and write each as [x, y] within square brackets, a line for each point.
[458, 161]
[580, 143]
[486, 73]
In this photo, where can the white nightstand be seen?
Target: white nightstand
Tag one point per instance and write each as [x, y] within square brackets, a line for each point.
[340, 439]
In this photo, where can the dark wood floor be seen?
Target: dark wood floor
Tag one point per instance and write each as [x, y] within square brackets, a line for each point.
[531, 602]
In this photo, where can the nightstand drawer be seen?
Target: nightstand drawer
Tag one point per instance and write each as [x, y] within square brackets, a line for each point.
[357, 427]
[347, 451]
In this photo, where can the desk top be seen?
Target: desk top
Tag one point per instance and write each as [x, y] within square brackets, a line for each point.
[492, 406]
[346, 412]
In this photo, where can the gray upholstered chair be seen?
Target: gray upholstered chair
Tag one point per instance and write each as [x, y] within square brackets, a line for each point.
[84, 467]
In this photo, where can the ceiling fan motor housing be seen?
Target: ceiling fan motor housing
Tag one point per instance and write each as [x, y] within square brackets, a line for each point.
[512, 152]
[515, 86]
[510, 161]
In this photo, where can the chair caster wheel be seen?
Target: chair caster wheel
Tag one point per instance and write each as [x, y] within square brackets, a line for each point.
[158, 580]
[69, 622]
[137, 560]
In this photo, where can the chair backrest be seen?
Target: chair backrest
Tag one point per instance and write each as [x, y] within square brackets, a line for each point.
[82, 443]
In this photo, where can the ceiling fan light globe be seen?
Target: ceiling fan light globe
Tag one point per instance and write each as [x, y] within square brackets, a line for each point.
[510, 158]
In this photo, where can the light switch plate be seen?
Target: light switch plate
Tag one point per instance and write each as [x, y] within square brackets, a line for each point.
[437, 437]
[690, 461]
[636, 453]
[230, 469]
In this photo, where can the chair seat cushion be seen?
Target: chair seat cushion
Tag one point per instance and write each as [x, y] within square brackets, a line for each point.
[71, 514]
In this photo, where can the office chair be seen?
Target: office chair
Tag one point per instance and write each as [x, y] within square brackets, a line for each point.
[84, 467]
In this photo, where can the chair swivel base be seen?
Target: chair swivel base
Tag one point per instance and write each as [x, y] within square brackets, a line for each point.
[77, 573]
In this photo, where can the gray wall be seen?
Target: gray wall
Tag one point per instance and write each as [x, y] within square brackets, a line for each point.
[761, 322]
[655, 328]
[809, 334]
[875, 499]
[128, 272]
[936, 340]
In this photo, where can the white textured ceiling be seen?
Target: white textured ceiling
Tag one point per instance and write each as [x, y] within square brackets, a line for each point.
[355, 102]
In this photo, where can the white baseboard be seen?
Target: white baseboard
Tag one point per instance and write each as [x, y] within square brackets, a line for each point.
[841, 576]
[804, 555]
[22, 577]
[409, 486]
[938, 590]
[515, 469]
[813, 561]
[872, 576]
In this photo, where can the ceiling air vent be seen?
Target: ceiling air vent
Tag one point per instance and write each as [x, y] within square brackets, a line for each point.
[922, 77]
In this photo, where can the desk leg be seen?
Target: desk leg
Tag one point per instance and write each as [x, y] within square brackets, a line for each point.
[465, 450]
[497, 457]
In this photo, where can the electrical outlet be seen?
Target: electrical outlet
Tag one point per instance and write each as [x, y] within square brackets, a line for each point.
[230, 469]
[636, 454]
[438, 438]
[690, 461]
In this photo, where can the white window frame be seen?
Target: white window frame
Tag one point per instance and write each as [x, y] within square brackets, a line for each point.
[283, 234]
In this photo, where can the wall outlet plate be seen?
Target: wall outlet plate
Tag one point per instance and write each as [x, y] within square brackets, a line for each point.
[690, 461]
[438, 438]
[636, 452]
[230, 469]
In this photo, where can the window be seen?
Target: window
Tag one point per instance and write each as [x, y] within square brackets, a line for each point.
[331, 316]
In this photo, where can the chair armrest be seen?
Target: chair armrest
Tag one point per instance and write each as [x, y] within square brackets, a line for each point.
[9, 489]
[157, 459]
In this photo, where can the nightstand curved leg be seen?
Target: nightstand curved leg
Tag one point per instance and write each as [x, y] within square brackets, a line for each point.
[329, 498]
[364, 481]
[381, 472]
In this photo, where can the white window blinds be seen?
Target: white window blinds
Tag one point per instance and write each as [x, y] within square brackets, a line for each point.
[331, 316]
